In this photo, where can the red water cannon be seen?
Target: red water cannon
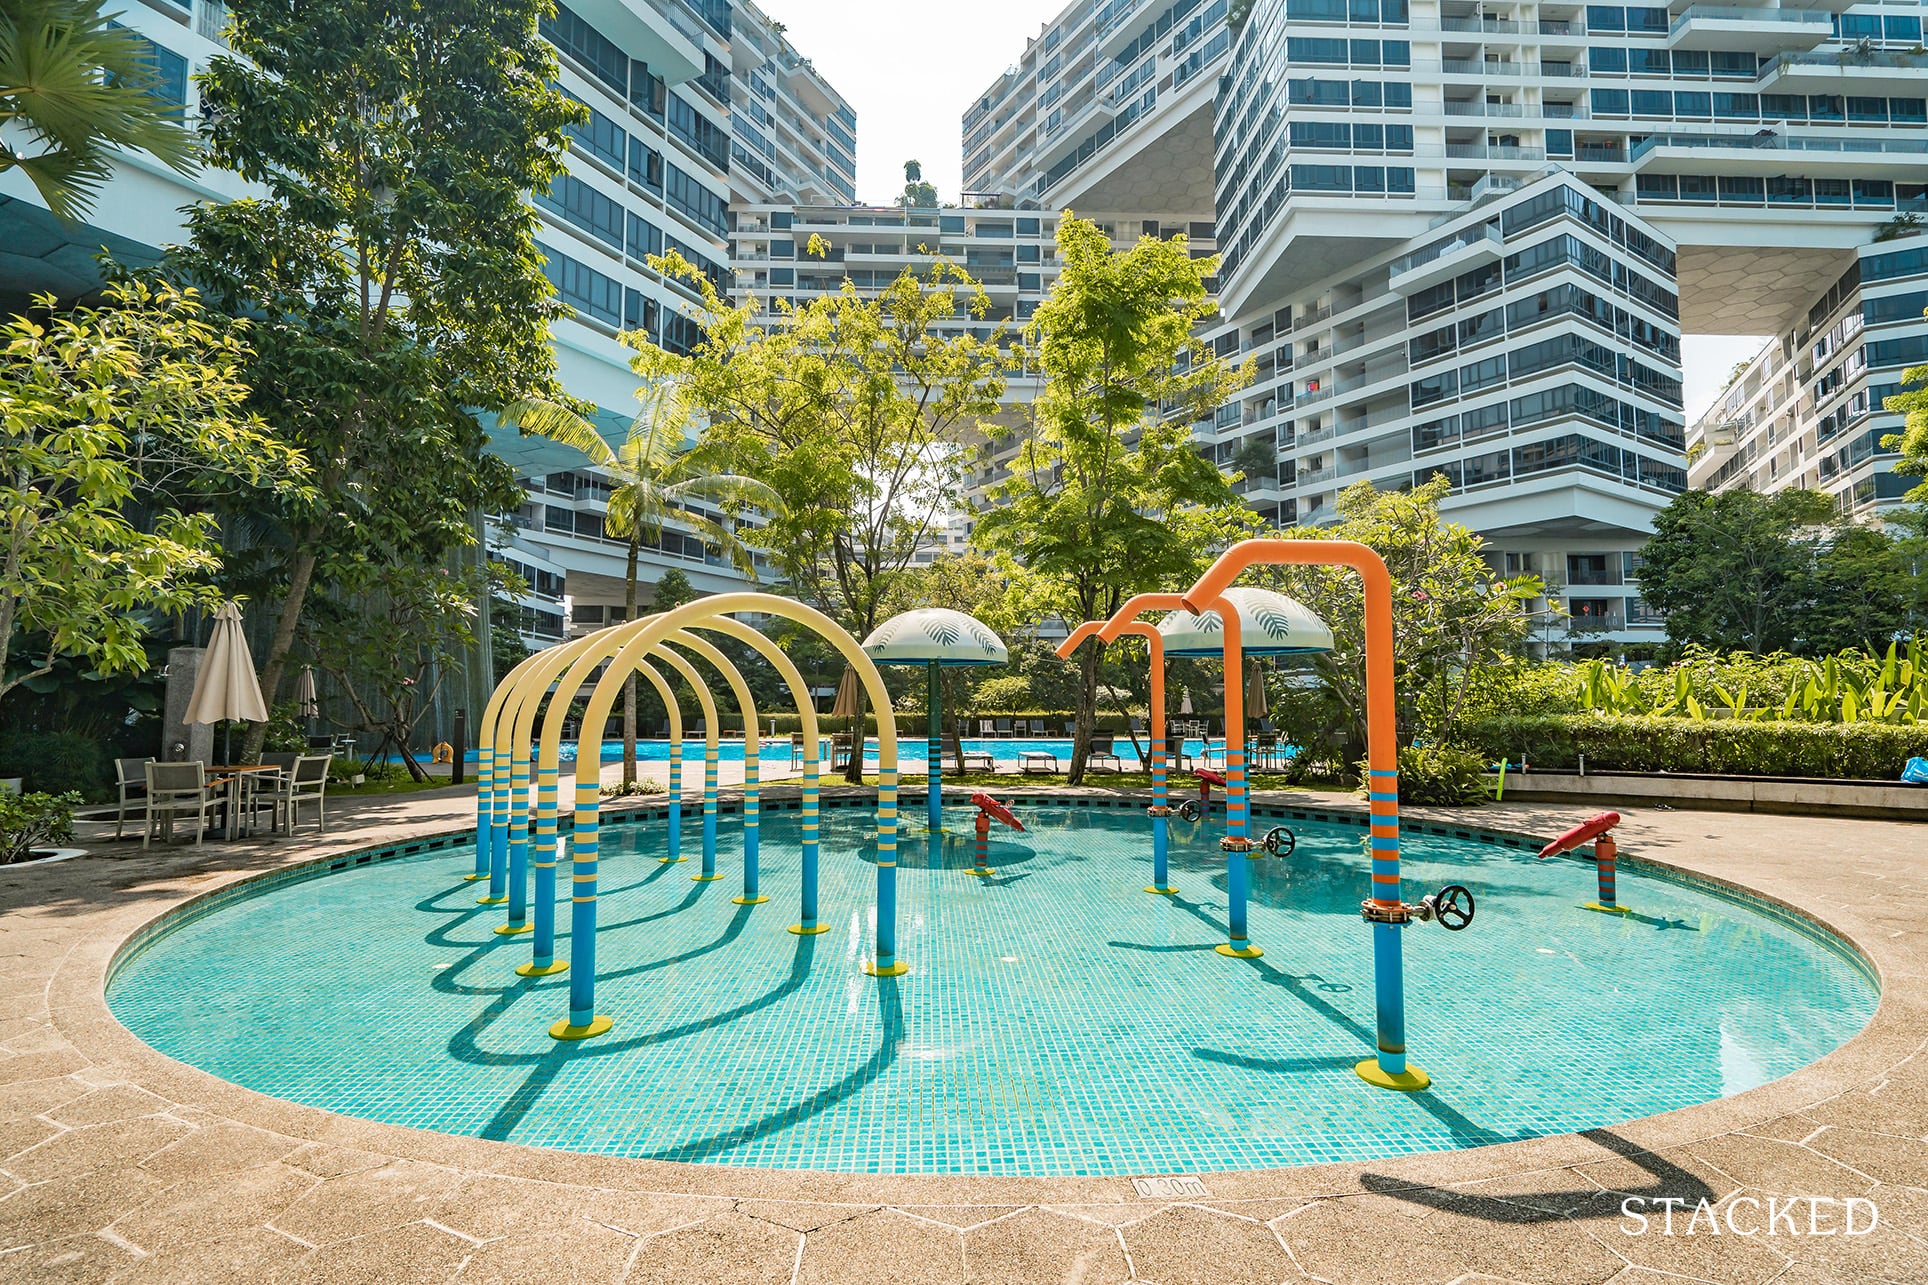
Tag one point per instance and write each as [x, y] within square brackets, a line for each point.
[989, 809]
[1598, 831]
[1206, 780]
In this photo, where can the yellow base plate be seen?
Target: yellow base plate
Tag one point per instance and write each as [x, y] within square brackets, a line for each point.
[512, 930]
[548, 970]
[748, 901]
[704, 878]
[1411, 1082]
[1161, 892]
[801, 931]
[1238, 952]
[563, 1031]
[473, 878]
[491, 901]
[671, 861]
[897, 969]
[985, 873]
[1608, 910]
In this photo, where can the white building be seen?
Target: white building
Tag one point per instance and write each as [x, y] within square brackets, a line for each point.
[658, 166]
[1466, 238]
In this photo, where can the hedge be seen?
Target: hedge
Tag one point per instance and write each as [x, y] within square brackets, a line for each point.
[1726, 747]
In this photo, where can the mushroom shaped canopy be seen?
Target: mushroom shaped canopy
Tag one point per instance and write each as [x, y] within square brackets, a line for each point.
[935, 635]
[1270, 624]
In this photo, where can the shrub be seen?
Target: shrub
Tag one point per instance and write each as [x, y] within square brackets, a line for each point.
[56, 763]
[1442, 776]
[1726, 747]
[29, 821]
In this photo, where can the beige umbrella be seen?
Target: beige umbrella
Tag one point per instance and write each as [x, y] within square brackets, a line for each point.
[307, 699]
[226, 688]
[845, 706]
[1255, 703]
[1185, 702]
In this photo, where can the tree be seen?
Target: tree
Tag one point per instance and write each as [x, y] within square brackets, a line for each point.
[1107, 496]
[917, 193]
[79, 87]
[105, 413]
[392, 263]
[1912, 440]
[1732, 571]
[653, 481]
[671, 590]
[1454, 620]
[855, 411]
[1856, 593]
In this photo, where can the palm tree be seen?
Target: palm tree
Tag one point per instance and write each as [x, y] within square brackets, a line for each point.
[652, 477]
[79, 87]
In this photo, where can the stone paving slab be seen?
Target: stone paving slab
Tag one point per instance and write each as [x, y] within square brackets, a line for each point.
[119, 1164]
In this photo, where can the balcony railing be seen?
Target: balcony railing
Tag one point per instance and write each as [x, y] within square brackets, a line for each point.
[1730, 13]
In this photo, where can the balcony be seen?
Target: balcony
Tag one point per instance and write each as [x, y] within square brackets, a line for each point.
[1759, 31]
[1443, 260]
[1493, 152]
[666, 38]
[1857, 71]
[1769, 154]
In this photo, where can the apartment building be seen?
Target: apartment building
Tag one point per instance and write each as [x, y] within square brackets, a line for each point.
[1809, 410]
[694, 106]
[1465, 239]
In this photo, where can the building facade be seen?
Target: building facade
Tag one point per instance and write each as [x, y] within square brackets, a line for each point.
[1463, 239]
[695, 106]
[1809, 411]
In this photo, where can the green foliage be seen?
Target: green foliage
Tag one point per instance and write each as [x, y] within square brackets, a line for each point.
[1767, 573]
[392, 258]
[57, 762]
[1439, 775]
[1912, 440]
[1728, 747]
[29, 821]
[1107, 496]
[79, 87]
[103, 411]
[672, 590]
[1456, 624]
[1848, 687]
[506, 648]
[285, 735]
[1002, 694]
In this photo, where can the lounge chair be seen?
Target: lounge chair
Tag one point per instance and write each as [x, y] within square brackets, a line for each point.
[131, 777]
[979, 761]
[1037, 762]
[1102, 752]
[176, 790]
[1004, 727]
[1037, 727]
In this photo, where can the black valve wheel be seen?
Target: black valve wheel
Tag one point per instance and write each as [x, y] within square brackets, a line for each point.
[1188, 810]
[1279, 841]
[1453, 907]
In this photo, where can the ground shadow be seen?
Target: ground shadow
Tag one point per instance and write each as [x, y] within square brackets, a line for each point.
[1586, 1202]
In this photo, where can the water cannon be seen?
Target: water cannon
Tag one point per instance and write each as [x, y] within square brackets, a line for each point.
[988, 810]
[1598, 831]
[1192, 810]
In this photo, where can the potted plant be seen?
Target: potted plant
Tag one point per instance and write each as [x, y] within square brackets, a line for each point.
[33, 827]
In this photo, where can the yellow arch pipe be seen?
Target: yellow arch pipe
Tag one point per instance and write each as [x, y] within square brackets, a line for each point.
[812, 750]
[636, 639]
[752, 773]
[485, 782]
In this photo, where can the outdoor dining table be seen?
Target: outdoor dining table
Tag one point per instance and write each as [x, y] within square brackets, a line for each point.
[235, 777]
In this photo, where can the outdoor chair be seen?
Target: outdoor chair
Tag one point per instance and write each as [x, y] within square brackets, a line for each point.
[1037, 762]
[1037, 727]
[176, 790]
[796, 749]
[839, 750]
[1102, 752]
[131, 776]
[1265, 750]
[263, 786]
[1004, 727]
[979, 761]
[985, 728]
[306, 782]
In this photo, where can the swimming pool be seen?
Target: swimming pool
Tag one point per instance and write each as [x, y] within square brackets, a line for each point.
[1057, 1020]
[911, 751]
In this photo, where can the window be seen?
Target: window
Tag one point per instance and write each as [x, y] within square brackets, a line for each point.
[1316, 50]
[690, 197]
[584, 207]
[1319, 133]
[1611, 59]
[645, 165]
[582, 287]
[1652, 102]
[1606, 18]
[1434, 388]
[704, 135]
[597, 54]
[1644, 61]
[601, 137]
[1609, 102]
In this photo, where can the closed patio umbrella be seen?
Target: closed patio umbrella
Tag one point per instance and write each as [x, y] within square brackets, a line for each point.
[226, 688]
[307, 700]
[1255, 702]
[845, 706]
[1185, 702]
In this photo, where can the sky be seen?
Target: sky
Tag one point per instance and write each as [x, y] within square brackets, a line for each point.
[909, 68]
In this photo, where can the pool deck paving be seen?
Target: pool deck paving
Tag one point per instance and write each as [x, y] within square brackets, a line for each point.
[118, 1163]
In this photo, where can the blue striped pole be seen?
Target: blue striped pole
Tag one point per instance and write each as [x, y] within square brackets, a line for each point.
[752, 811]
[503, 792]
[544, 962]
[675, 810]
[708, 873]
[1161, 812]
[484, 800]
[583, 1021]
[934, 746]
[1237, 847]
[1389, 983]
[519, 854]
[887, 964]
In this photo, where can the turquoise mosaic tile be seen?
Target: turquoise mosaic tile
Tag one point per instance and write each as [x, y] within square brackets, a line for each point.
[1057, 1019]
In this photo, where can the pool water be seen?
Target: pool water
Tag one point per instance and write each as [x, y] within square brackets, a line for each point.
[911, 751]
[1057, 1019]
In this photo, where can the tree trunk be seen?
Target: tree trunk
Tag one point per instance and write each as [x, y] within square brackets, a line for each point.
[1088, 657]
[301, 573]
[854, 773]
[629, 680]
